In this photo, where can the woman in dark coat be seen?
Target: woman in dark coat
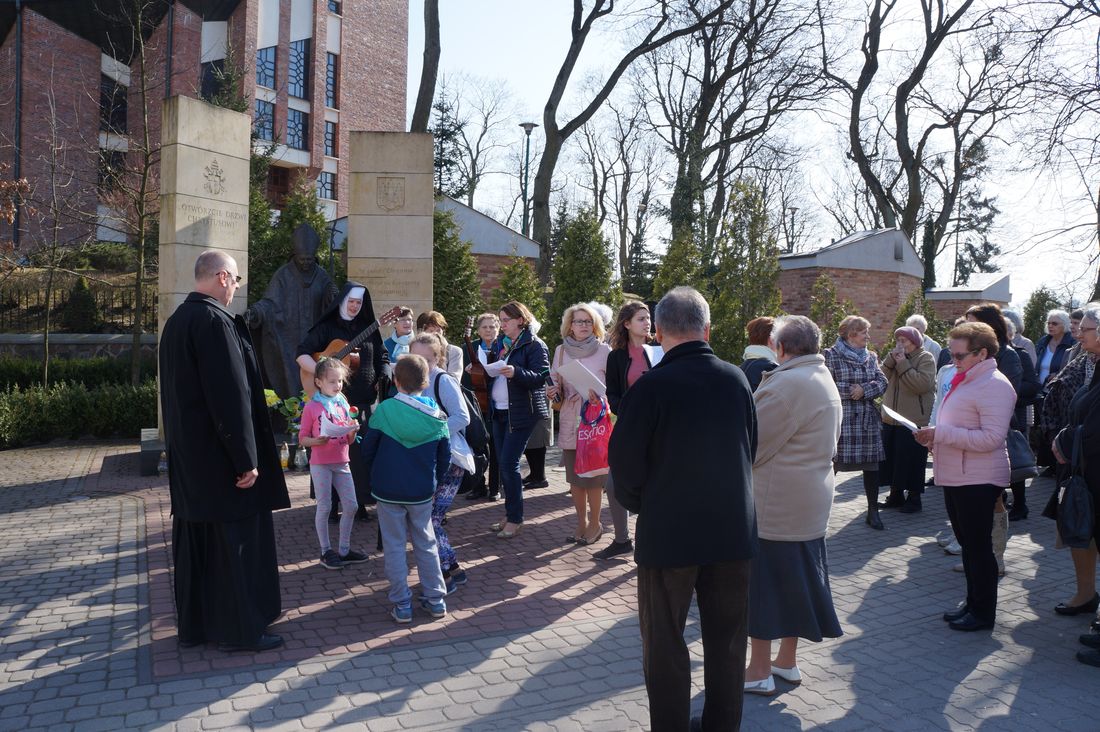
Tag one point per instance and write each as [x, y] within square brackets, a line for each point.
[517, 399]
[1084, 413]
[351, 313]
[859, 380]
[759, 358]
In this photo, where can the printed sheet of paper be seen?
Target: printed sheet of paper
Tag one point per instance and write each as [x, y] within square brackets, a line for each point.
[494, 368]
[900, 419]
[331, 429]
[655, 353]
[581, 379]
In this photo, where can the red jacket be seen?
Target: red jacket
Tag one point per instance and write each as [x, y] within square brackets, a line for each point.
[971, 427]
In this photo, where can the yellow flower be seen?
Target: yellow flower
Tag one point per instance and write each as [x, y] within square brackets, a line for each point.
[271, 397]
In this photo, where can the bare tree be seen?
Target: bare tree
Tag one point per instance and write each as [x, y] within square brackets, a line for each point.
[487, 108]
[916, 153]
[714, 95]
[656, 23]
[422, 112]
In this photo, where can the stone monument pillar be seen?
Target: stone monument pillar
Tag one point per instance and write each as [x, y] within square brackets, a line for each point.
[204, 166]
[390, 218]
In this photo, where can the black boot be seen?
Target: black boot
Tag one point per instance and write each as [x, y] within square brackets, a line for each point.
[870, 489]
[912, 503]
[1019, 502]
[873, 519]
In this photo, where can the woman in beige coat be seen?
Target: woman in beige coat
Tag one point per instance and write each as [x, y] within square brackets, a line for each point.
[799, 414]
[582, 340]
[910, 391]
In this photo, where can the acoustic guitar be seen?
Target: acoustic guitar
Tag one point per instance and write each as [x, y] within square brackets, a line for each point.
[479, 380]
[346, 351]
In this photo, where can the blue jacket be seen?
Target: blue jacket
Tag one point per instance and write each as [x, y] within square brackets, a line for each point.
[406, 449]
[527, 388]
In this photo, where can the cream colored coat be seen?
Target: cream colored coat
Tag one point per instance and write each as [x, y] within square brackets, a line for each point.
[799, 414]
[569, 418]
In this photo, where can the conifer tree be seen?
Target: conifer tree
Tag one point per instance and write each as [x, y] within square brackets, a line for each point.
[826, 310]
[520, 282]
[583, 269]
[456, 284]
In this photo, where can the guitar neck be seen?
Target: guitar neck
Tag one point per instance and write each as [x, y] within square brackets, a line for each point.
[357, 341]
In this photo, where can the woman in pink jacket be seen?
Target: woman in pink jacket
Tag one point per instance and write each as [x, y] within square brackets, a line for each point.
[970, 462]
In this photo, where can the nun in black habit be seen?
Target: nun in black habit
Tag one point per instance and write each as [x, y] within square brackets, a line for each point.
[350, 314]
[223, 470]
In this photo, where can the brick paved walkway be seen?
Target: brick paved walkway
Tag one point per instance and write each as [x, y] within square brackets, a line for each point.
[541, 638]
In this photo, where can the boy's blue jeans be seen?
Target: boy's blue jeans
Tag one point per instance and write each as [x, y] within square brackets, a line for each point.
[510, 447]
[399, 522]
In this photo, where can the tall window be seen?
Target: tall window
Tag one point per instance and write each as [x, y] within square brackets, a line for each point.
[212, 80]
[330, 139]
[111, 165]
[297, 128]
[112, 105]
[265, 67]
[326, 186]
[264, 121]
[298, 71]
[332, 76]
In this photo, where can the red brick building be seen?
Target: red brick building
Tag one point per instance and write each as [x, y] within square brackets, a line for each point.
[876, 270]
[951, 302]
[71, 91]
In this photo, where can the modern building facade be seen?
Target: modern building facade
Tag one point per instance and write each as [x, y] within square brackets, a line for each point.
[75, 89]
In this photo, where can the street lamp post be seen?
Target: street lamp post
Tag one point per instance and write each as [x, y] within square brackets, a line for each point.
[790, 234]
[527, 127]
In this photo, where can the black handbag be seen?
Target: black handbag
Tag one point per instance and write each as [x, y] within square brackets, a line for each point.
[1020, 457]
[1075, 511]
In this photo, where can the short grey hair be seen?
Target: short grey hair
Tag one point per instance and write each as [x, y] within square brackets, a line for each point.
[1092, 312]
[1015, 318]
[683, 312]
[918, 321]
[1061, 316]
[211, 262]
[798, 335]
[1010, 328]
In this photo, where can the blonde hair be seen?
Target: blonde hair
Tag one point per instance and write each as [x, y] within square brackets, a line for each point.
[567, 319]
[852, 324]
[436, 343]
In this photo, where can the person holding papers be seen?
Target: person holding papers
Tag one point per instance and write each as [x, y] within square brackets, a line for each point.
[582, 345]
[517, 364]
[910, 391]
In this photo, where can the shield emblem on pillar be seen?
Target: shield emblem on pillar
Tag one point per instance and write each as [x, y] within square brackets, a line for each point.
[391, 193]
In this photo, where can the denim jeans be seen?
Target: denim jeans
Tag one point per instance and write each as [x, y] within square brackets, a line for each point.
[394, 519]
[510, 447]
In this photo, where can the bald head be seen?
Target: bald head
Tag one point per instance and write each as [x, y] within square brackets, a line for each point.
[211, 262]
[216, 276]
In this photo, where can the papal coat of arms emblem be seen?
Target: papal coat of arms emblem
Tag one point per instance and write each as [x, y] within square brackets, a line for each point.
[215, 178]
[391, 193]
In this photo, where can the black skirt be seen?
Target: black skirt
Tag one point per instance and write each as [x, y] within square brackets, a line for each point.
[226, 579]
[789, 594]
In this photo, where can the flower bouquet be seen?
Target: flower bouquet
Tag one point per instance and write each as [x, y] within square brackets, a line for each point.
[290, 408]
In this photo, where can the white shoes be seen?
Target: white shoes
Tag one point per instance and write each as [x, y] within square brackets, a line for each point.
[944, 538]
[764, 687]
[790, 675]
[953, 548]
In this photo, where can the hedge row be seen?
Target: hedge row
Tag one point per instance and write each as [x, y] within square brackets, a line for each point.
[91, 372]
[41, 414]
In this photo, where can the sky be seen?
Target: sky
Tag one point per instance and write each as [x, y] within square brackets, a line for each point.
[522, 42]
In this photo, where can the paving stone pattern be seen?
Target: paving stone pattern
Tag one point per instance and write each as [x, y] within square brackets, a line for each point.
[541, 639]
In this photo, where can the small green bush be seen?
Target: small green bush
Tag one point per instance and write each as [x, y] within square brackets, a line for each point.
[81, 314]
[41, 414]
[90, 372]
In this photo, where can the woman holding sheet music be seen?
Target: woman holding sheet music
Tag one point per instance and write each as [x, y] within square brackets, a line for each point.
[582, 334]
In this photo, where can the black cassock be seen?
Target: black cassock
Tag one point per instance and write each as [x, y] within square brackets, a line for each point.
[216, 427]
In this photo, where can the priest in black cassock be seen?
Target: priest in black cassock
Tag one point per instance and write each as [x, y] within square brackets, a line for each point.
[223, 469]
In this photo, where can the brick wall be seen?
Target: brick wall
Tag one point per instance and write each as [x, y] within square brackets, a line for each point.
[949, 310]
[53, 59]
[876, 296]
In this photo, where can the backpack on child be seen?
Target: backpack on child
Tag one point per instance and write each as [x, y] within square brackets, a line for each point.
[477, 436]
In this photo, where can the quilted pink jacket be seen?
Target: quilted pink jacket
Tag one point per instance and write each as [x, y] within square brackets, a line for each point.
[971, 427]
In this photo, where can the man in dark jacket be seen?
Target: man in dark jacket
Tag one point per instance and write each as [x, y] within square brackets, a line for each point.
[682, 453]
[223, 470]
